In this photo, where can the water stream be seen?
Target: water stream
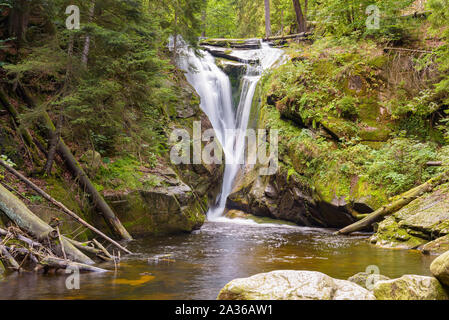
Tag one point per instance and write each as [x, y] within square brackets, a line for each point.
[229, 123]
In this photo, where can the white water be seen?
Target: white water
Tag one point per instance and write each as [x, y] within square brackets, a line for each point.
[214, 88]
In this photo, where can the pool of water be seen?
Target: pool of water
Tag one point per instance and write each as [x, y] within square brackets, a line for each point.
[198, 265]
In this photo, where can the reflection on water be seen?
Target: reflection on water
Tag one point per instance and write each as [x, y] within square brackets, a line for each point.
[198, 265]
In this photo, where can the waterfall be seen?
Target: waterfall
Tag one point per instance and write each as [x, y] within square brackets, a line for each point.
[215, 91]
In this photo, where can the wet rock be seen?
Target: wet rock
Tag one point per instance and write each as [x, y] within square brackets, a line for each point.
[410, 287]
[437, 247]
[367, 280]
[440, 268]
[284, 197]
[293, 285]
[421, 221]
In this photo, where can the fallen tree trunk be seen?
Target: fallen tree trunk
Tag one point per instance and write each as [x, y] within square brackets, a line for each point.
[64, 264]
[222, 54]
[393, 207]
[27, 221]
[8, 259]
[109, 216]
[61, 206]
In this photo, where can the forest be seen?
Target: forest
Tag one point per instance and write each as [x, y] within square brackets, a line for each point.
[95, 96]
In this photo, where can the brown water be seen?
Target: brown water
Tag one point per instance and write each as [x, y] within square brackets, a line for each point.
[200, 264]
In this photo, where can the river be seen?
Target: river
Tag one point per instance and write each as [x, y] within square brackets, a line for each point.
[198, 265]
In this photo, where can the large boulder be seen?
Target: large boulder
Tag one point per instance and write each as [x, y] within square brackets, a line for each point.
[421, 221]
[293, 285]
[161, 210]
[440, 268]
[410, 287]
[285, 197]
[367, 280]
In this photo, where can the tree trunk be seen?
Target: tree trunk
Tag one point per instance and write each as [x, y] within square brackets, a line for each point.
[267, 19]
[86, 48]
[54, 141]
[26, 220]
[393, 207]
[109, 216]
[300, 20]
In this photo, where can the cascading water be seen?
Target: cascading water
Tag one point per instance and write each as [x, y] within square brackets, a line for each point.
[214, 88]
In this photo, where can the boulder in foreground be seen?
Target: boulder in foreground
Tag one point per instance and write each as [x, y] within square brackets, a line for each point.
[410, 287]
[440, 268]
[293, 285]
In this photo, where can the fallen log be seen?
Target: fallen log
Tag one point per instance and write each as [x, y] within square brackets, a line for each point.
[393, 207]
[8, 259]
[434, 163]
[224, 55]
[61, 206]
[27, 221]
[64, 264]
[241, 44]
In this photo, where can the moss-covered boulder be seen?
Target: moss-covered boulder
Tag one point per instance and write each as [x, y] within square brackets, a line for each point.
[367, 280]
[158, 211]
[293, 285]
[440, 268]
[423, 220]
[410, 287]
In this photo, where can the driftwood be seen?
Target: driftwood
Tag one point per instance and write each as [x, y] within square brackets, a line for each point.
[8, 259]
[61, 206]
[396, 205]
[27, 221]
[57, 263]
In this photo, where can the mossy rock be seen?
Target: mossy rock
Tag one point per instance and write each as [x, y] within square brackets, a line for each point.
[366, 280]
[437, 247]
[163, 210]
[421, 221]
[410, 287]
[440, 268]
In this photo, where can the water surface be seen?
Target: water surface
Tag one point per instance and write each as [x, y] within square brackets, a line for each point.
[198, 265]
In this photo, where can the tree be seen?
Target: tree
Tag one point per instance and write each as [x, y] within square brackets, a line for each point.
[300, 17]
[267, 18]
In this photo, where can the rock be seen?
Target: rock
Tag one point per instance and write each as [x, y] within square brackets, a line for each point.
[440, 268]
[2, 271]
[293, 285]
[421, 221]
[436, 247]
[363, 278]
[161, 210]
[284, 197]
[92, 160]
[410, 287]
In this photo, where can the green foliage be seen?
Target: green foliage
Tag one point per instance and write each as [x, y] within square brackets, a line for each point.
[122, 173]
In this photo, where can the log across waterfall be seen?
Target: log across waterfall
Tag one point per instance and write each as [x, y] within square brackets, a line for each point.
[215, 90]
